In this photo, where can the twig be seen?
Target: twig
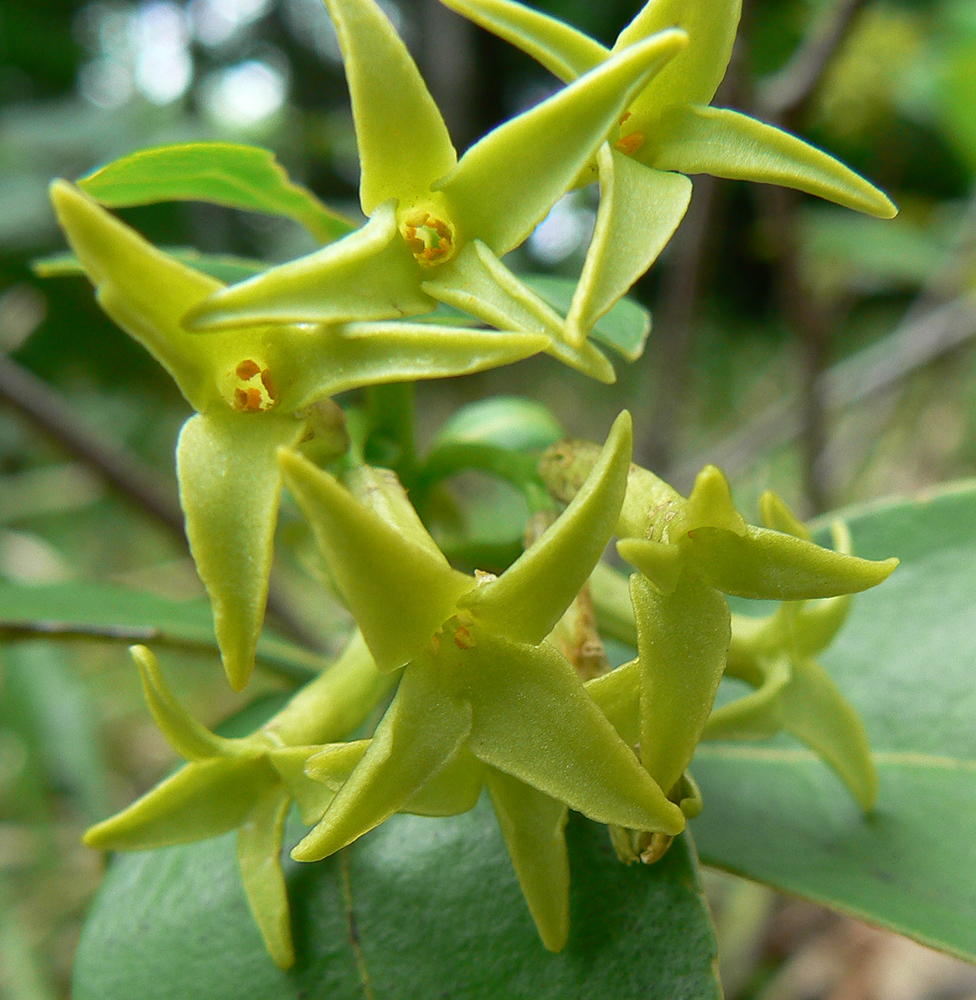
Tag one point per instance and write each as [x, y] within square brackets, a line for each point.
[49, 411]
[912, 345]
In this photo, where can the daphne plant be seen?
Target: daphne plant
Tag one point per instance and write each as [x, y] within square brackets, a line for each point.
[456, 682]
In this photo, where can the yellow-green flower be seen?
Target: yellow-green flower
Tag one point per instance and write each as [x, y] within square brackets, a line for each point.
[483, 696]
[246, 784]
[438, 226]
[252, 389]
[669, 130]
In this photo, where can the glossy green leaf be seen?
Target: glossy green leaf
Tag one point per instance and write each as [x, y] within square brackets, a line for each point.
[224, 266]
[513, 422]
[100, 611]
[419, 906]
[704, 140]
[904, 660]
[224, 173]
[624, 328]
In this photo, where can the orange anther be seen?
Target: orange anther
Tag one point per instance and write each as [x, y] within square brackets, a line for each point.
[247, 369]
[629, 144]
[462, 638]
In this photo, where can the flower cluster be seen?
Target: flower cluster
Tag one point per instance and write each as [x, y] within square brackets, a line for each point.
[500, 681]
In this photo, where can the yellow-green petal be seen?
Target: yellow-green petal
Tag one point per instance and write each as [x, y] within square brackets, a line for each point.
[533, 826]
[565, 51]
[724, 143]
[765, 564]
[399, 592]
[421, 733]
[143, 289]
[682, 640]
[527, 600]
[618, 696]
[694, 75]
[403, 142]
[534, 720]
[369, 274]
[506, 183]
[230, 489]
[477, 282]
[199, 801]
[640, 209]
[184, 734]
[259, 857]
[756, 715]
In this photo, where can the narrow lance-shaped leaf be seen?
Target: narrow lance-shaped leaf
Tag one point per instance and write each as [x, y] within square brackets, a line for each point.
[555, 568]
[223, 173]
[230, 489]
[403, 142]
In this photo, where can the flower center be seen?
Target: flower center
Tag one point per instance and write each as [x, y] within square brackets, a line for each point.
[431, 240]
[631, 141]
[252, 390]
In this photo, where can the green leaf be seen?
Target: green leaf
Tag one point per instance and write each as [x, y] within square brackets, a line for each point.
[419, 907]
[100, 611]
[624, 328]
[224, 173]
[222, 266]
[775, 813]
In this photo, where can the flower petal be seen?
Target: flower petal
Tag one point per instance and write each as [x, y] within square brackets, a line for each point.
[533, 827]
[694, 75]
[682, 639]
[144, 290]
[422, 733]
[703, 140]
[199, 801]
[506, 184]
[230, 489]
[184, 734]
[566, 52]
[527, 600]
[399, 592]
[477, 282]
[640, 208]
[259, 857]
[369, 274]
[534, 720]
[756, 715]
[403, 142]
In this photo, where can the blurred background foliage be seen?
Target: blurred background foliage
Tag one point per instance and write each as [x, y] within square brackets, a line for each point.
[802, 347]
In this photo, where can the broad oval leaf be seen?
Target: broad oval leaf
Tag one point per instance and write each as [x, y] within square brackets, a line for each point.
[419, 908]
[225, 173]
[775, 813]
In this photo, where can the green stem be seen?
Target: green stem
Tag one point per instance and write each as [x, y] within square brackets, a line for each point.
[391, 416]
[336, 702]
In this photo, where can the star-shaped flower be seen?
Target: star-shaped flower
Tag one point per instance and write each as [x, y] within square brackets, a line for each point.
[794, 694]
[246, 784]
[438, 226]
[690, 553]
[480, 683]
[669, 130]
[253, 390]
